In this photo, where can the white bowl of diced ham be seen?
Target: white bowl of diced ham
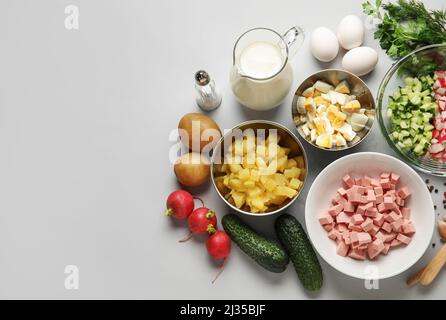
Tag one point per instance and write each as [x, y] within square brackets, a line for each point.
[369, 209]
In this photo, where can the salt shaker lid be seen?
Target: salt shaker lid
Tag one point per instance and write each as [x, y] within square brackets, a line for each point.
[202, 78]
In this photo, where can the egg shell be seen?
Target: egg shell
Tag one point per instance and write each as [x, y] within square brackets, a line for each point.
[350, 32]
[360, 61]
[324, 44]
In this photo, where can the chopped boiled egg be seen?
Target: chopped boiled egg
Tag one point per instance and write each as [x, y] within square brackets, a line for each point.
[351, 107]
[358, 121]
[325, 140]
[308, 93]
[330, 116]
[323, 86]
[347, 131]
[343, 87]
[340, 140]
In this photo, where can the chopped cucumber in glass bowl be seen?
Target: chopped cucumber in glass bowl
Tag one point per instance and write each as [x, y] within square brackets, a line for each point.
[412, 109]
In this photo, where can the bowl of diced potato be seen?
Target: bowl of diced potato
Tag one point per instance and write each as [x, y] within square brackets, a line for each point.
[259, 167]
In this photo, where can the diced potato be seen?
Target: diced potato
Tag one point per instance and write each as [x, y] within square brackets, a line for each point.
[235, 184]
[239, 199]
[280, 179]
[270, 184]
[243, 174]
[291, 163]
[254, 192]
[292, 173]
[300, 161]
[258, 203]
[278, 200]
[285, 191]
[255, 176]
[282, 163]
[235, 168]
[249, 184]
[295, 184]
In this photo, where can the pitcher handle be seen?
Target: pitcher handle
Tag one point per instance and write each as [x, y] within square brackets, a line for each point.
[294, 38]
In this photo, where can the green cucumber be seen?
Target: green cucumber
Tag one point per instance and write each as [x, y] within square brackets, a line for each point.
[269, 254]
[301, 252]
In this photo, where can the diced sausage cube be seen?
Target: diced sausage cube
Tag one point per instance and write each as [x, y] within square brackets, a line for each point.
[367, 225]
[404, 239]
[386, 249]
[341, 227]
[381, 207]
[364, 238]
[335, 210]
[342, 192]
[374, 230]
[378, 219]
[375, 183]
[406, 213]
[349, 207]
[379, 199]
[375, 248]
[371, 212]
[397, 224]
[387, 227]
[394, 178]
[354, 227]
[357, 254]
[327, 219]
[328, 227]
[409, 228]
[371, 196]
[388, 203]
[384, 175]
[348, 181]
[342, 248]
[404, 193]
[378, 190]
[366, 181]
[395, 243]
[357, 219]
[385, 184]
[343, 218]
[391, 217]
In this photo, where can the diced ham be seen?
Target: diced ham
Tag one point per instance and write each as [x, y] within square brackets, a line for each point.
[367, 217]
[327, 219]
[367, 225]
[404, 239]
[348, 181]
[409, 228]
[357, 254]
[342, 248]
[335, 210]
[404, 193]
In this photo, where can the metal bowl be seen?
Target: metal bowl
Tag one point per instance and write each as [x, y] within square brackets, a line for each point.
[357, 87]
[287, 139]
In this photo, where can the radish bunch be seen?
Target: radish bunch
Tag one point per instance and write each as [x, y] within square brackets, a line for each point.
[437, 149]
[180, 205]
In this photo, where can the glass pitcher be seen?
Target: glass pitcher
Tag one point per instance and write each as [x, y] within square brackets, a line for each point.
[261, 75]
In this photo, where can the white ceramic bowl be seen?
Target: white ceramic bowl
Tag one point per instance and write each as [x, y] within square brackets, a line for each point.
[323, 190]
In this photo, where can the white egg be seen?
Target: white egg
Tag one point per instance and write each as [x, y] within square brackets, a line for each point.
[350, 32]
[360, 61]
[324, 44]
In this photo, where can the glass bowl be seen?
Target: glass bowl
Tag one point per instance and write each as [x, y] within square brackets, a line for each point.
[421, 62]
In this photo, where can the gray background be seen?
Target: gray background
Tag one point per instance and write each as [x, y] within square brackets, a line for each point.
[84, 172]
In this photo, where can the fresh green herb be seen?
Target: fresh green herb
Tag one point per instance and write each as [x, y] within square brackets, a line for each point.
[406, 25]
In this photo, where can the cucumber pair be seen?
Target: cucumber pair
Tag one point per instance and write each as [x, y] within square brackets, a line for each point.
[272, 256]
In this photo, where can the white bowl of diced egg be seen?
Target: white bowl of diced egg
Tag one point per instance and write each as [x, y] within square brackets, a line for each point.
[333, 110]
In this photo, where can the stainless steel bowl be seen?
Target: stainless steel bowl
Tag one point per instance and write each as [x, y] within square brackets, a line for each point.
[287, 139]
[357, 87]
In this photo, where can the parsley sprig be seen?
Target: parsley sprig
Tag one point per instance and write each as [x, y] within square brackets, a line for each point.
[406, 25]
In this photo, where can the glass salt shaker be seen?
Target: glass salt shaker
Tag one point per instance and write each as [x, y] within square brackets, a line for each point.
[208, 96]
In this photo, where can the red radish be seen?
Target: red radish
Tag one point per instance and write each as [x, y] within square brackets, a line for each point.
[180, 204]
[202, 220]
[219, 247]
